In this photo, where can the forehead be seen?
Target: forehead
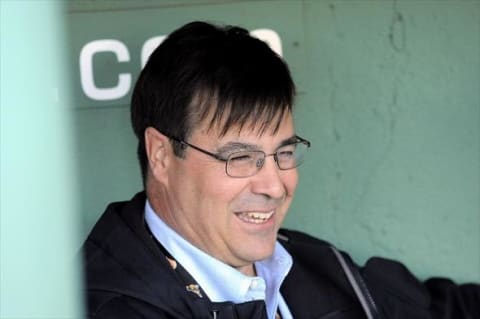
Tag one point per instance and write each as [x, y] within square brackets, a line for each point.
[225, 113]
[253, 129]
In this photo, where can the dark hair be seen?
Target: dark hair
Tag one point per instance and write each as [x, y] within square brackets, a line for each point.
[204, 71]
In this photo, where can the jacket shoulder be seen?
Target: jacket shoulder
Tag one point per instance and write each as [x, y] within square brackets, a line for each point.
[298, 237]
[394, 288]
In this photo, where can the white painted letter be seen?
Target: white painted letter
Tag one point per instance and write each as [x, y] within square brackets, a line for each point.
[86, 70]
[148, 47]
[270, 37]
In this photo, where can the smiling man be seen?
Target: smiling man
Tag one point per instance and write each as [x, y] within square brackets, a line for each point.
[218, 150]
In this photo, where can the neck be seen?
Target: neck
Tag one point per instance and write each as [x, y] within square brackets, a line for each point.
[248, 270]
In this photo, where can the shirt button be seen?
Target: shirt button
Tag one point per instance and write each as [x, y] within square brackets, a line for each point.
[254, 284]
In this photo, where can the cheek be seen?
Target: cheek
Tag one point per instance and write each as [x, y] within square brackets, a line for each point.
[210, 187]
[222, 190]
[290, 180]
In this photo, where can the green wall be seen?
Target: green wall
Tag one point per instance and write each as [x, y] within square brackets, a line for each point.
[388, 95]
[38, 201]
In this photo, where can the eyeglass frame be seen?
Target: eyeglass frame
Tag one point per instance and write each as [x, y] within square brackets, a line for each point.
[298, 140]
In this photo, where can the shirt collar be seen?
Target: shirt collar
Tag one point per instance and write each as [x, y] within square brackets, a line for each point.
[218, 280]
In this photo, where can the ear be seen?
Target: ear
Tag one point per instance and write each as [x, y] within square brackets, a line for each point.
[158, 149]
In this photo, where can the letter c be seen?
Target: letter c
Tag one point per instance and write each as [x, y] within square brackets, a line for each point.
[86, 70]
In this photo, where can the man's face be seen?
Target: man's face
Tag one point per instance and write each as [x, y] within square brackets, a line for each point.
[232, 219]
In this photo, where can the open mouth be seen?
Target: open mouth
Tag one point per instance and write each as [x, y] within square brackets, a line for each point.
[255, 217]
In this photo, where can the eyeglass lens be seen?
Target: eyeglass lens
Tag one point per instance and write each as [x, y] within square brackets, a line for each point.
[247, 163]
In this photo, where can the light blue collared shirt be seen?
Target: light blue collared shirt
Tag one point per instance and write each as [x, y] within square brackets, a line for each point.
[220, 281]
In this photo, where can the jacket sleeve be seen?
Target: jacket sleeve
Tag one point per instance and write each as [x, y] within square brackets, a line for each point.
[401, 295]
[449, 300]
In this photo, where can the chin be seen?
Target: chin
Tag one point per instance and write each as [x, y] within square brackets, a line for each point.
[262, 253]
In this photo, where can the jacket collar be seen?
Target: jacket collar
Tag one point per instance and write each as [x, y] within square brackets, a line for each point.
[148, 275]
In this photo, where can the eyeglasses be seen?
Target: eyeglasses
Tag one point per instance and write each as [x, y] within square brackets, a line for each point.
[248, 163]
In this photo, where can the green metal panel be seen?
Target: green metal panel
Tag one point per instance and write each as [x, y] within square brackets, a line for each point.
[38, 273]
[392, 106]
[388, 94]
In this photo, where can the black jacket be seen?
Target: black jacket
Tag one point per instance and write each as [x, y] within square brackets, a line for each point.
[128, 276]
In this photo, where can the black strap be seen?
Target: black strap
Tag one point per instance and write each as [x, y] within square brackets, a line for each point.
[358, 285]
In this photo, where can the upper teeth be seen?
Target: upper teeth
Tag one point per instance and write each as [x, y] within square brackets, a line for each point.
[256, 217]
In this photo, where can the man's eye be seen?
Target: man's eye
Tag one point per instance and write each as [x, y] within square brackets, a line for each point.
[285, 154]
[240, 158]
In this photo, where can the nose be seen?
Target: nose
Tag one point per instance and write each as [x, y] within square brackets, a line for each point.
[268, 181]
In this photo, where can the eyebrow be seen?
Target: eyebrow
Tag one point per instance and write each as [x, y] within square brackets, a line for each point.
[239, 146]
